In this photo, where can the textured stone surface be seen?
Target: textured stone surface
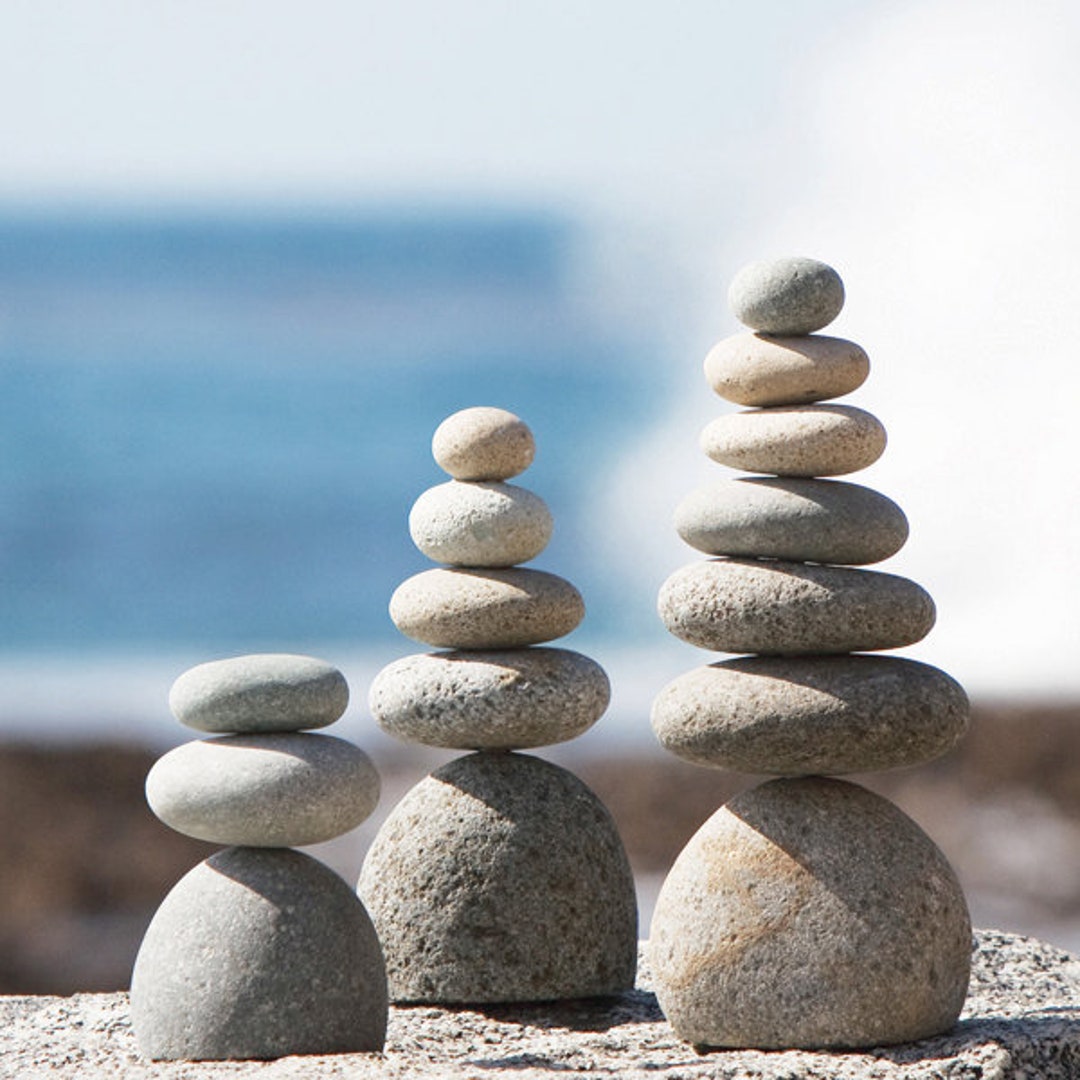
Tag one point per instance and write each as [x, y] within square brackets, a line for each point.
[485, 609]
[762, 369]
[500, 878]
[749, 606]
[810, 913]
[507, 700]
[259, 954]
[826, 521]
[278, 790]
[1021, 1021]
[796, 440]
[480, 524]
[261, 692]
[792, 295]
[796, 716]
[483, 443]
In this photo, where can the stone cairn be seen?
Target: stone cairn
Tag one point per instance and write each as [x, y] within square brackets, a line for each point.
[500, 877]
[260, 951]
[807, 912]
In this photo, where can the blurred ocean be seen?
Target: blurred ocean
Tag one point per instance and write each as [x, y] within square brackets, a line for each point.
[212, 429]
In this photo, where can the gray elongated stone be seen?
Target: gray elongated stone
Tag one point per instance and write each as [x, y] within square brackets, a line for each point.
[483, 443]
[259, 954]
[825, 521]
[751, 606]
[499, 878]
[809, 914]
[792, 295]
[481, 523]
[796, 440]
[485, 609]
[277, 790]
[260, 692]
[495, 700]
[800, 716]
[765, 369]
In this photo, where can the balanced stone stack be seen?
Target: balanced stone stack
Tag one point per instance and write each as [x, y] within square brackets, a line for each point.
[500, 877]
[260, 951]
[807, 912]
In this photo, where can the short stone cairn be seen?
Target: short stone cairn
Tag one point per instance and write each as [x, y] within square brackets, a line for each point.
[260, 951]
[500, 877]
[807, 912]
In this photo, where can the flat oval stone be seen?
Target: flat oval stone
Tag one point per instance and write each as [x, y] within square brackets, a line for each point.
[261, 692]
[760, 369]
[480, 523]
[501, 878]
[825, 521]
[483, 443]
[259, 953]
[749, 606]
[786, 296]
[493, 700]
[796, 440]
[800, 716]
[808, 914]
[277, 790]
[485, 609]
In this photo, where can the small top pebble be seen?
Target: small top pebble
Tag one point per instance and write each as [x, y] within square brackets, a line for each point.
[786, 296]
[483, 443]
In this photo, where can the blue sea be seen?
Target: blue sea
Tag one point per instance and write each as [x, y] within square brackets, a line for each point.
[212, 425]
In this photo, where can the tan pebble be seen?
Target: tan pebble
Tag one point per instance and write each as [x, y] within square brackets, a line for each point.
[483, 443]
[797, 440]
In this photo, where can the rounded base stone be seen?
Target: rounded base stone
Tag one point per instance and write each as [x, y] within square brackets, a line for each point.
[501, 878]
[810, 914]
[259, 953]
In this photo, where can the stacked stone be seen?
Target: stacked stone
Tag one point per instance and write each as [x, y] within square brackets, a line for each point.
[260, 951]
[807, 912]
[500, 877]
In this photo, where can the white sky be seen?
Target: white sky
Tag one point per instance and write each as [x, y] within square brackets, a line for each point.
[928, 150]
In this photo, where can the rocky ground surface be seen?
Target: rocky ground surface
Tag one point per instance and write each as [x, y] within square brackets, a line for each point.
[1022, 1020]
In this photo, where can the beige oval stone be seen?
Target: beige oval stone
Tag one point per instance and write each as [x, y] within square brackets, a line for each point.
[486, 609]
[809, 914]
[480, 523]
[796, 440]
[759, 369]
[483, 443]
[751, 606]
[801, 716]
[494, 700]
[825, 521]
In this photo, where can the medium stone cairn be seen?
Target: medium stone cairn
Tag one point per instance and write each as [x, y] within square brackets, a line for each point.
[260, 951]
[807, 912]
[500, 877]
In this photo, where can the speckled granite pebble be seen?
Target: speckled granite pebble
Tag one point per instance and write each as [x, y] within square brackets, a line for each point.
[796, 440]
[798, 716]
[791, 295]
[505, 700]
[760, 369]
[826, 521]
[485, 609]
[480, 524]
[278, 790]
[810, 913]
[261, 692]
[483, 443]
[750, 606]
[501, 878]
[258, 954]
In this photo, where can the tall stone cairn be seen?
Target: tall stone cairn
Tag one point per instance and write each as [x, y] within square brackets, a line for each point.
[807, 912]
[260, 951]
[500, 877]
